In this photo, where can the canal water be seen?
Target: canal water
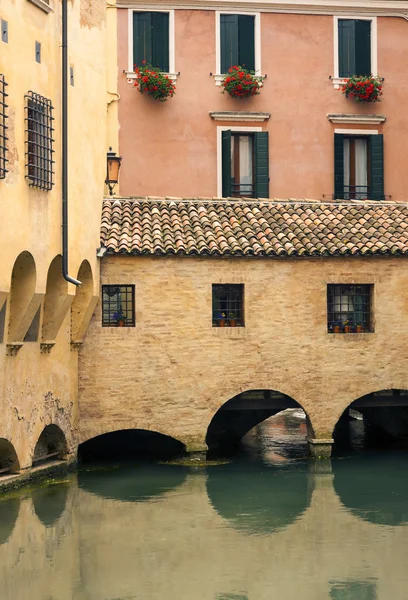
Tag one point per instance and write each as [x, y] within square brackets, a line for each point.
[267, 525]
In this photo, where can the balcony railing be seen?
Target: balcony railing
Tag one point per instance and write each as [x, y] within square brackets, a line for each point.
[358, 192]
[245, 190]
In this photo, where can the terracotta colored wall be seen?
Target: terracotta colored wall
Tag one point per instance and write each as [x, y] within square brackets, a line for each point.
[173, 371]
[170, 148]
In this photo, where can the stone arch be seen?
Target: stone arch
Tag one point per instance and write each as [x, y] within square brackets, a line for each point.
[384, 413]
[24, 302]
[9, 462]
[235, 417]
[127, 443]
[51, 445]
[57, 301]
[84, 302]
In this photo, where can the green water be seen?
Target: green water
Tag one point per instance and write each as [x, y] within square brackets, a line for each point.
[268, 525]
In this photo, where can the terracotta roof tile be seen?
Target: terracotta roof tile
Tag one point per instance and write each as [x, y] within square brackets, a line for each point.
[253, 227]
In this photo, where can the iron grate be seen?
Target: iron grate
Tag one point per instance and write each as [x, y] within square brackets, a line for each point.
[227, 305]
[118, 305]
[39, 141]
[3, 128]
[349, 308]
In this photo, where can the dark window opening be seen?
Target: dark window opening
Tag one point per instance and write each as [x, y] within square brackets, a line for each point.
[2, 321]
[245, 164]
[354, 47]
[356, 168]
[242, 165]
[349, 308]
[228, 305]
[118, 305]
[3, 127]
[237, 41]
[32, 333]
[39, 141]
[151, 39]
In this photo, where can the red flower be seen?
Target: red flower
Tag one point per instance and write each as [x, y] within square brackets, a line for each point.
[145, 79]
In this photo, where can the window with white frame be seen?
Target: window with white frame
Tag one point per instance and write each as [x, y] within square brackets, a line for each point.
[238, 41]
[151, 39]
[355, 46]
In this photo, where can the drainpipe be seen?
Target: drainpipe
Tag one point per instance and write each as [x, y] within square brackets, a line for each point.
[65, 145]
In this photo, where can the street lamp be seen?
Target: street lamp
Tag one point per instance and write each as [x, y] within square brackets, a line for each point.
[112, 170]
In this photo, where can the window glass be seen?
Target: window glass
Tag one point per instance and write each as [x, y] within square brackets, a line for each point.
[118, 305]
[242, 157]
[349, 308]
[228, 305]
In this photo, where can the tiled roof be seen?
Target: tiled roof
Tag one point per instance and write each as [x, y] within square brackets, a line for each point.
[259, 228]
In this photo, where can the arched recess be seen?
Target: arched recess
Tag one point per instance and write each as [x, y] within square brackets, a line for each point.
[24, 302]
[51, 445]
[9, 462]
[57, 301]
[243, 412]
[130, 444]
[377, 418]
[84, 303]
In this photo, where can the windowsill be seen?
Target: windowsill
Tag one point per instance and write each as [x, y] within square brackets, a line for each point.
[355, 336]
[239, 115]
[232, 333]
[131, 76]
[42, 5]
[218, 78]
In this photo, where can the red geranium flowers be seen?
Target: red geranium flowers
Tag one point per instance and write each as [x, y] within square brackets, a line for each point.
[363, 88]
[241, 83]
[152, 82]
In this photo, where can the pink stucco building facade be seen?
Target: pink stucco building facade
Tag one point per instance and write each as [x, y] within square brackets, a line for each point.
[174, 148]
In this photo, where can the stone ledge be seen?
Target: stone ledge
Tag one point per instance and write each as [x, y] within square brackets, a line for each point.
[18, 480]
[239, 115]
[350, 119]
[42, 4]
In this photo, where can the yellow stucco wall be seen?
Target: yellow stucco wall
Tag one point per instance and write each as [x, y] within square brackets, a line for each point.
[173, 371]
[38, 388]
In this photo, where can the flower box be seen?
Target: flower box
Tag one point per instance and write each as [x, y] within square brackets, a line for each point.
[241, 83]
[151, 81]
[363, 88]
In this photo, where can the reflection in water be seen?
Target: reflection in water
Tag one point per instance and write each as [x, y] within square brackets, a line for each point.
[267, 525]
[129, 483]
[49, 501]
[374, 487]
[8, 516]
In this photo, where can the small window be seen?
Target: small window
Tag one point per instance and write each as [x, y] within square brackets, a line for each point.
[39, 141]
[3, 128]
[118, 305]
[359, 167]
[237, 41]
[2, 321]
[354, 47]
[245, 164]
[228, 305]
[151, 39]
[349, 308]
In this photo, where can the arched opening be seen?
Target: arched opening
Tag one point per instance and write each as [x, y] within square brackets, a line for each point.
[376, 420]
[57, 302]
[258, 500]
[240, 415]
[129, 444]
[8, 458]
[24, 304]
[82, 306]
[49, 501]
[51, 445]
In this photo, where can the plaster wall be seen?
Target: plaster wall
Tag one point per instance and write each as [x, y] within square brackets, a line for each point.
[169, 148]
[38, 388]
[173, 371]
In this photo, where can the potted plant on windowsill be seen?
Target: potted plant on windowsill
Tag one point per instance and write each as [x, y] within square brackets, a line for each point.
[221, 318]
[241, 83]
[119, 317]
[359, 328]
[346, 327]
[336, 327]
[232, 318]
[151, 81]
[363, 88]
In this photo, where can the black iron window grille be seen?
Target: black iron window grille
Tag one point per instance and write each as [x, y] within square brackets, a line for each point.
[349, 308]
[118, 305]
[39, 141]
[228, 305]
[3, 127]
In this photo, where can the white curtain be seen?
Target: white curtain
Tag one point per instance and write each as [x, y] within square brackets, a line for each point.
[361, 168]
[346, 155]
[245, 162]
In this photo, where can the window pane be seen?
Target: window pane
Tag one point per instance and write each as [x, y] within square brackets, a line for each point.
[348, 308]
[227, 305]
[118, 305]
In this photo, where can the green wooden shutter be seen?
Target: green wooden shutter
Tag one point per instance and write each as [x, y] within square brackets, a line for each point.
[347, 51]
[246, 41]
[142, 37]
[376, 167]
[160, 40]
[363, 47]
[338, 166]
[226, 164]
[229, 41]
[261, 153]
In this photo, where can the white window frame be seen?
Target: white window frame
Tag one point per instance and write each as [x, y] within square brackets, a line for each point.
[220, 129]
[218, 77]
[338, 81]
[357, 131]
[130, 74]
